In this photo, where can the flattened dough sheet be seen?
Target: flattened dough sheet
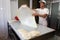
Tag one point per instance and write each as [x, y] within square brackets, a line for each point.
[25, 16]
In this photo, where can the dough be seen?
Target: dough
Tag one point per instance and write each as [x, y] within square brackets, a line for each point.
[34, 33]
[25, 16]
[24, 34]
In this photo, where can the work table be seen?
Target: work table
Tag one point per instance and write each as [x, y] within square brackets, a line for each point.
[16, 25]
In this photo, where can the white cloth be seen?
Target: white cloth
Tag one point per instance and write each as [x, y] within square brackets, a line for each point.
[42, 20]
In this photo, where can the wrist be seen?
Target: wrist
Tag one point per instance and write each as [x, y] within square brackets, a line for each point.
[38, 15]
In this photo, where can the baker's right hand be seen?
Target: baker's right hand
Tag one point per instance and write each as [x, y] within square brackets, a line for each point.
[34, 14]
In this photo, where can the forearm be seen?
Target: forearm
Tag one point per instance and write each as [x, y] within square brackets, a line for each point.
[40, 15]
[44, 16]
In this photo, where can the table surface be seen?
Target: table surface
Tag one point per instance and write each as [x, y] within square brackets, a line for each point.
[16, 25]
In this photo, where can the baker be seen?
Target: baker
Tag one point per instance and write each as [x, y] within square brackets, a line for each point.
[42, 12]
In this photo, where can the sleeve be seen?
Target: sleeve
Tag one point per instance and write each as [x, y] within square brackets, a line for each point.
[35, 10]
[47, 11]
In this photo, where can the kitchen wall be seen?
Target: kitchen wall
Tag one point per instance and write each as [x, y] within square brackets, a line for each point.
[59, 6]
[20, 2]
[55, 0]
[14, 8]
[8, 9]
[4, 17]
[59, 10]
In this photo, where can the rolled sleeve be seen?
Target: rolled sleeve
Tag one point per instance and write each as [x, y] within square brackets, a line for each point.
[47, 11]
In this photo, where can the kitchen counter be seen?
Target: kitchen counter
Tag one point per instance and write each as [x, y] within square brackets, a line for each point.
[16, 25]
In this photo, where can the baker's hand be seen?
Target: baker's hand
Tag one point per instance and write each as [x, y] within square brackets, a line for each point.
[35, 14]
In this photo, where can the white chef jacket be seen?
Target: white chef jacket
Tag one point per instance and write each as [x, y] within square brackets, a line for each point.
[42, 21]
